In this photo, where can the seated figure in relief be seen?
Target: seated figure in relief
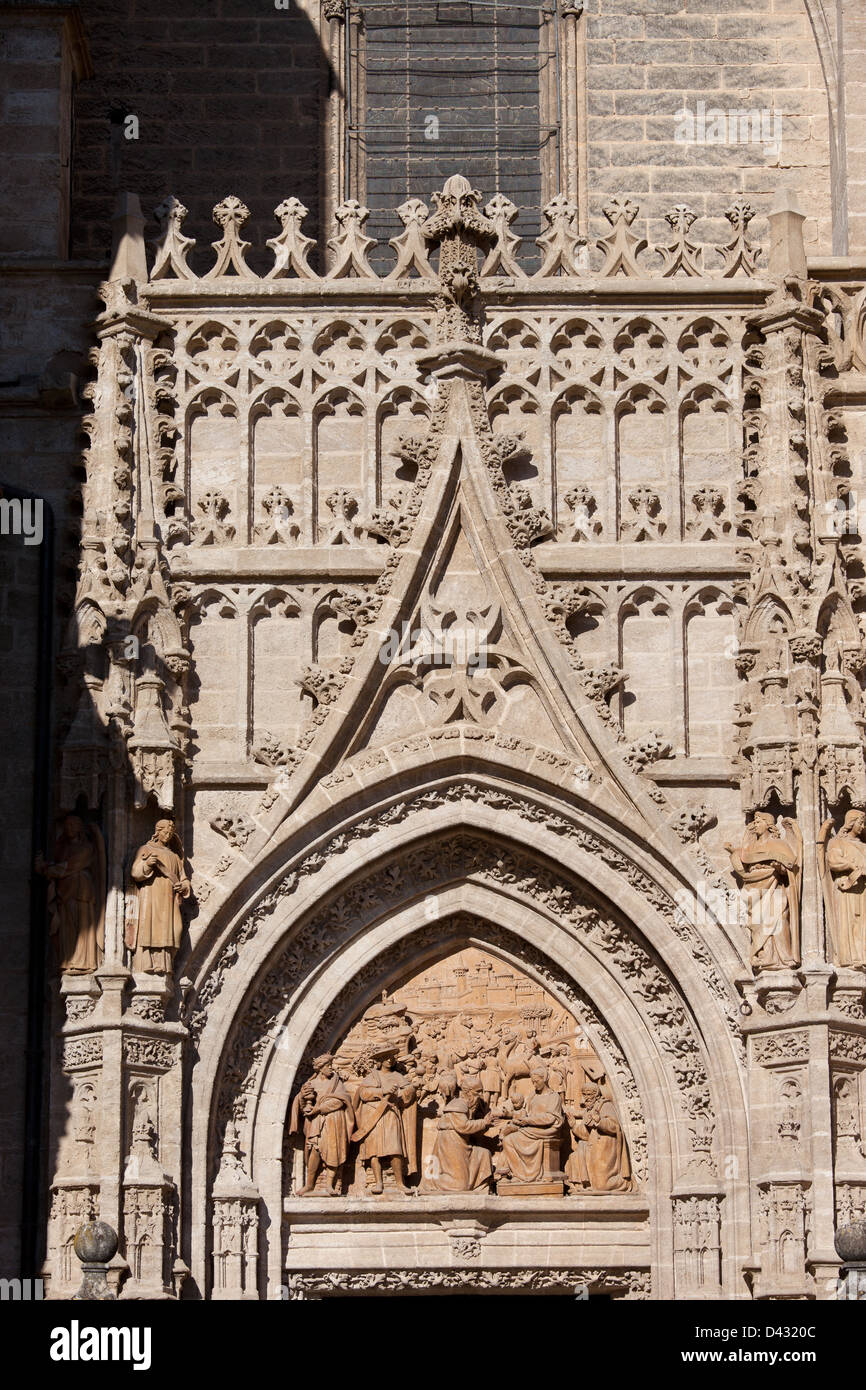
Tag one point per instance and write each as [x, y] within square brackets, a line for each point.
[531, 1131]
[599, 1161]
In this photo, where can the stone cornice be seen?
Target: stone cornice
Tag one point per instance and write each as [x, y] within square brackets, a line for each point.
[737, 293]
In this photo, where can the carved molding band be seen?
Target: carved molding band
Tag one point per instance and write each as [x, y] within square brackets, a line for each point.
[627, 1283]
[781, 1047]
[150, 1052]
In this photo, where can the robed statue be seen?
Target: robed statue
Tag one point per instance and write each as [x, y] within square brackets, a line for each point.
[154, 937]
[76, 896]
[530, 1135]
[842, 869]
[322, 1111]
[599, 1161]
[386, 1122]
[460, 1162]
[769, 868]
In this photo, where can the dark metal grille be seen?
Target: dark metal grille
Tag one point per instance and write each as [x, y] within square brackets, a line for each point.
[452, 88]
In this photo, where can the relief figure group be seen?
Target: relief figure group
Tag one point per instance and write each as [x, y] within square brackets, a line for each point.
[471, 1099]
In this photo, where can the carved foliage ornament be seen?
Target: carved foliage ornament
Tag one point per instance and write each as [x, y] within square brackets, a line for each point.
[625, 1283]
[82, 1052]
[199, 1003]
[781, 1047]
[848, 1047]
[643, 978]
[153, 1053]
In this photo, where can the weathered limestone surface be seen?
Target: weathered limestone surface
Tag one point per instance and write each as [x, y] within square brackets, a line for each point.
[460, 668]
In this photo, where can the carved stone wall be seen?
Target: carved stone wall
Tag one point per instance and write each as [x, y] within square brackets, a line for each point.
[448, 620]
[382, 579]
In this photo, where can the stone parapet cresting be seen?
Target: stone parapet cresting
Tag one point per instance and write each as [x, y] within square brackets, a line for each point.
[566, 253]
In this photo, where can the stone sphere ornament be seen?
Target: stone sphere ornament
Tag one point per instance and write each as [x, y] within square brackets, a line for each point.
[851, 1242]
[96, 1243]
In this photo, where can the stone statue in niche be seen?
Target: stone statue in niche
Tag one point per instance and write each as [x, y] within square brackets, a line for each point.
[846, 1119]
[322, 1111]
[142, 1163]
[470, 1077]
[76, 896]
[842, 869]
[599, 1161]
[154, 937]
[769, 868]
[790, 1123]
[80, 1155]
[84, 1122]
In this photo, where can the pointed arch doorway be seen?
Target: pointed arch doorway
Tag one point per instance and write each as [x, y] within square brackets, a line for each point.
[479, 1027]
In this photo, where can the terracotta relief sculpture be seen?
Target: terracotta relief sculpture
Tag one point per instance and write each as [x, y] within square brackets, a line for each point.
[599, 1161]
[842, 868]
[460, 1162]
[323, 1112]
[76, 896]
[470, 1077]
[530, 1135]
[769, 869]
[154, 938]
[384, 1123]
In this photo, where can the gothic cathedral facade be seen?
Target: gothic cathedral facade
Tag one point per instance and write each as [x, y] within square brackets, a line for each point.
[451, 872]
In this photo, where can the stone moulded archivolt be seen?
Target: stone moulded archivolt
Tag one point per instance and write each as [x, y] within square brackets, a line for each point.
[265, 1042]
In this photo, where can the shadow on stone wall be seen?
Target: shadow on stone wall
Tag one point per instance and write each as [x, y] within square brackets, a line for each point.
[227, 104]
